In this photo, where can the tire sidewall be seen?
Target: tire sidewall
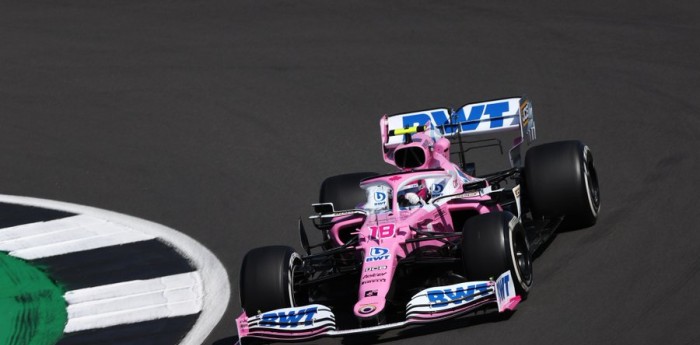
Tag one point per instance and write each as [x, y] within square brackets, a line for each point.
[294, 262]
[586, 162]
[515, 229]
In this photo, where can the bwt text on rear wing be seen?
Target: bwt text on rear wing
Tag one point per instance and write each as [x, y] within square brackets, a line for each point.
[488, 117]
[476, 118]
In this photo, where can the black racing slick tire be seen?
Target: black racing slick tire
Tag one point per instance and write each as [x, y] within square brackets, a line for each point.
[266, 281]
[561, 180]
[494, 243]
[344, 190]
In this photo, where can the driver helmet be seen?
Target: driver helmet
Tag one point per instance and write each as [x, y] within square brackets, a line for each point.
[378, 198]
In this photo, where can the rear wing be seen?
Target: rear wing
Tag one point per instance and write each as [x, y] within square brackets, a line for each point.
[488, 117]
[472, 119]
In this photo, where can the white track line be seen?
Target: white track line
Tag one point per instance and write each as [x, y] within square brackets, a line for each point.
[41, 228]
[133, 301]
[63, 236]
[216, 288]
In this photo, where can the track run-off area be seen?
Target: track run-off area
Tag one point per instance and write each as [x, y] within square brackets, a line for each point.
[80, 275]
[220, 119]
[34, 312]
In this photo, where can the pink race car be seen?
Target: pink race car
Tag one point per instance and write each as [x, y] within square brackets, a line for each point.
[428, 242]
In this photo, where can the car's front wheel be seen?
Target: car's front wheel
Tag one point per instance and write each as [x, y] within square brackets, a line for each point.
[267, 279]
[494, 243]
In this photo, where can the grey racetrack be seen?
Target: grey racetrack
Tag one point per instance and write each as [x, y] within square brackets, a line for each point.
[221, 119]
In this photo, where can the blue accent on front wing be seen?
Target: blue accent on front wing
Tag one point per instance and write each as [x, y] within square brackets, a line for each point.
[291, 319]
[443, 297]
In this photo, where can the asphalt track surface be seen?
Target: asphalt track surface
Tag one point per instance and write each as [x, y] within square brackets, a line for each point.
[221, 118]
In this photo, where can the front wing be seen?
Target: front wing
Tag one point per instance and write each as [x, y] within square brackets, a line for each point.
[429, 305]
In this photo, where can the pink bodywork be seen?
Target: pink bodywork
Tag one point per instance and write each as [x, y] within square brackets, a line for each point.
[383, 235]
[376, 280]
[392, 229]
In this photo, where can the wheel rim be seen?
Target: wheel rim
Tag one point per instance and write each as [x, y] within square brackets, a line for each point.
[591, 180]
[523, 260]
[294, 261]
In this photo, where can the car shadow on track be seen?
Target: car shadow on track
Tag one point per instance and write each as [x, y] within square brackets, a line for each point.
[427, 329]
[227, 341]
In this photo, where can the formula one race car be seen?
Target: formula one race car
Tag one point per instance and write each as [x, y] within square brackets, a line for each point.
[428, 242]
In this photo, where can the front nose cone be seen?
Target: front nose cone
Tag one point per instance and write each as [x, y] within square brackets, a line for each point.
[367, 308]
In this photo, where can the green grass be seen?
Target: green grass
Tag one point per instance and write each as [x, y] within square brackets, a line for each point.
[32, 308]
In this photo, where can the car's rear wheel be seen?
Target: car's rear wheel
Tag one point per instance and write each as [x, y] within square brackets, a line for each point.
[267, 279]
[494, 243]
[345, 193]
[561, 180]
[344, 190]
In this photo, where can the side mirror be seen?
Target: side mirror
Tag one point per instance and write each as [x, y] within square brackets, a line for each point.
[323, 208]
